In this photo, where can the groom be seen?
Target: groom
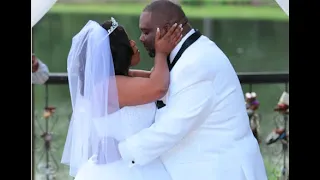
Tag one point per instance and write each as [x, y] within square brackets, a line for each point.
[202, 130]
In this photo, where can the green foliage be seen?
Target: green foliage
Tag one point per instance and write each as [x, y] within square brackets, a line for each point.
[216, 12]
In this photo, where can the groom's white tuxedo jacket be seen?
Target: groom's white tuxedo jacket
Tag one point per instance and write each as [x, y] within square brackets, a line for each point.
[203, 132]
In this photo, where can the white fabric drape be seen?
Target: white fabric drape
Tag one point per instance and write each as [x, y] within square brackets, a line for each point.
[39, 8]
[284, 4]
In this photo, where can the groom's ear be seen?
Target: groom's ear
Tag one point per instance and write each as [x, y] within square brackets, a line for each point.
[166, 28]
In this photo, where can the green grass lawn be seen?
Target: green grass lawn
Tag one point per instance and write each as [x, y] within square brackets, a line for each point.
[214, 11]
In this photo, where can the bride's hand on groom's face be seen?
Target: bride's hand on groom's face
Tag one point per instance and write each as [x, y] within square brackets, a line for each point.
[165, 44]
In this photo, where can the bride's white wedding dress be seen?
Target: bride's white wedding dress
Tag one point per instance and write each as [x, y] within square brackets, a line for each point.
[134, 119]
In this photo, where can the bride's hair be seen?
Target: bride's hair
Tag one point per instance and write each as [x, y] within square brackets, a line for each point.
[121, 53]
[120, 48]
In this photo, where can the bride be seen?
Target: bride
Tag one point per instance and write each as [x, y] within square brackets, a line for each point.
[111, 102]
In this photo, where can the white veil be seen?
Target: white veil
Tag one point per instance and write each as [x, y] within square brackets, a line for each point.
[93, 91]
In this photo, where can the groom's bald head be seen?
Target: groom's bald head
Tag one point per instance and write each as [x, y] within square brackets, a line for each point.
[165, 12]
[160, 14]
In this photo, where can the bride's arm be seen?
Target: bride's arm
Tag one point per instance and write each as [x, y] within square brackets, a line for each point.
[140, 90]
[139, 73]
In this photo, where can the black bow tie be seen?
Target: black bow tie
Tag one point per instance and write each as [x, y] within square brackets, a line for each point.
[160, 104]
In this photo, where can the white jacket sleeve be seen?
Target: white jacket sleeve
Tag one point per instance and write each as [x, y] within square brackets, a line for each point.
[184, 112]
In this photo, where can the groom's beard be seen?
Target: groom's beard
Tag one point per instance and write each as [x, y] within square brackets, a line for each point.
[152, 53]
